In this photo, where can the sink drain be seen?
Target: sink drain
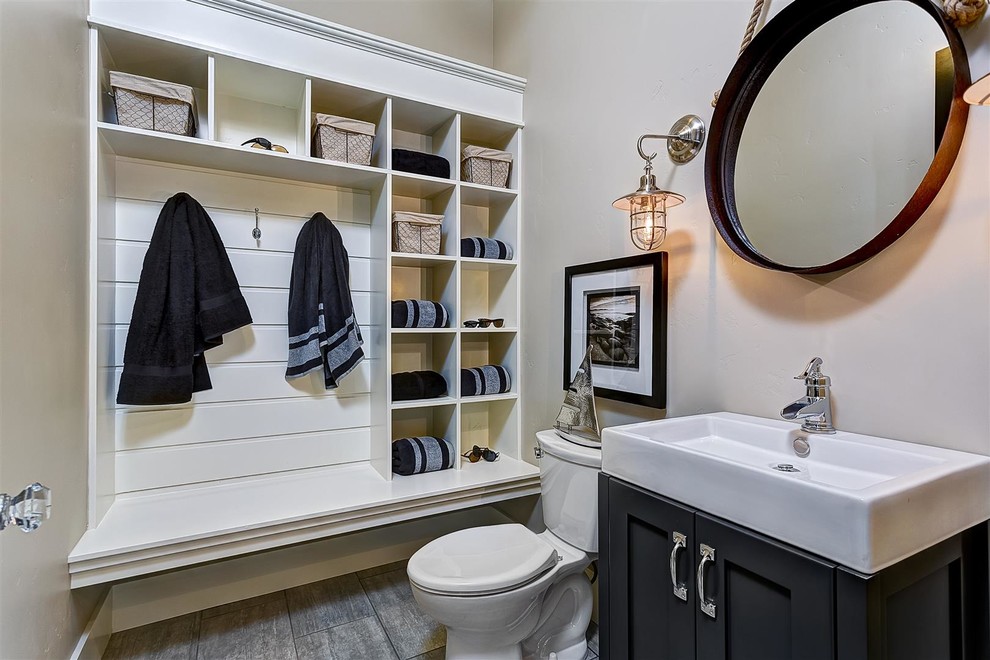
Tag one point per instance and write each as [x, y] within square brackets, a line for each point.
[785, 467]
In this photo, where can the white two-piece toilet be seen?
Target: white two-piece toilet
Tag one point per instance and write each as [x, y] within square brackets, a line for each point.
[506, 593]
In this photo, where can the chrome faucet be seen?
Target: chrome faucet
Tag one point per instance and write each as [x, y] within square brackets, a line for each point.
[815, 407]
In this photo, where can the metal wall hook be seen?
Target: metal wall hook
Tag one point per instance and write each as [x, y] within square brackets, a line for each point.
[256, 232]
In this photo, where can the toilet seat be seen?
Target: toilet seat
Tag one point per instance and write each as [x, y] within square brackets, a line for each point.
[481, 561]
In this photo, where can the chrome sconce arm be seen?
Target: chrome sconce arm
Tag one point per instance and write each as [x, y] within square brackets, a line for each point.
[684, 141]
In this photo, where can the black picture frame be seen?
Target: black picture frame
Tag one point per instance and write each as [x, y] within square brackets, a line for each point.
[625, 309]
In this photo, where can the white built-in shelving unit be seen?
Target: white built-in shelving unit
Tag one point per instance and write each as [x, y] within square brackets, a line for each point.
[259, 462]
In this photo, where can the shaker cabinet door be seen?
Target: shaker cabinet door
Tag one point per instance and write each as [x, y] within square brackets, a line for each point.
[651, 590]
[761, 600]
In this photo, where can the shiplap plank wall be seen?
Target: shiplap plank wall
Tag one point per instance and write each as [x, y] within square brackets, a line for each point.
[253, 421]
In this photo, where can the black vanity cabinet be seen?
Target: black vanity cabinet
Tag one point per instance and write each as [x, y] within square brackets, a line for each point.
[650, 620]
[761, 599]
[679, 584]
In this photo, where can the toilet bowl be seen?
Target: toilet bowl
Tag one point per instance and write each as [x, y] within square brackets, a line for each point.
[506, 593]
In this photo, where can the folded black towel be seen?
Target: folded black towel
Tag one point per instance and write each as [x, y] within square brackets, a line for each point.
[421, 454]
[489, 379]
[187, 298]
[409, 385]
[418, 314]
[420, 163]
[480, 247]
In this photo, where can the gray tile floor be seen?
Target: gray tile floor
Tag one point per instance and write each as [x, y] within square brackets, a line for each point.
[368, 615]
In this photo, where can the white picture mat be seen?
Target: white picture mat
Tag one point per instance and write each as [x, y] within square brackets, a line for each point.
[636, 381]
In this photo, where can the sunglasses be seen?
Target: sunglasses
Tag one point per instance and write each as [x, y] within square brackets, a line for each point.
[479, 453]
[484, 323]
[262, 143]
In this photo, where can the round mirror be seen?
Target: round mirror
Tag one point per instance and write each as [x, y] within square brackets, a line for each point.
[836, 129]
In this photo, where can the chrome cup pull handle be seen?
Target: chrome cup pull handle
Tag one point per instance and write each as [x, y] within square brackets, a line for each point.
[680, 543]
[707, 557]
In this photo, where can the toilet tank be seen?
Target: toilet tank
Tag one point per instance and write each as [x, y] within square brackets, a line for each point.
[569, 486]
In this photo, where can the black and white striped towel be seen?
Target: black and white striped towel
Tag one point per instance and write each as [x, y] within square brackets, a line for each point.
[489, 379]
[479, 247]
[323, 333]
[421, 454]
[418, 314]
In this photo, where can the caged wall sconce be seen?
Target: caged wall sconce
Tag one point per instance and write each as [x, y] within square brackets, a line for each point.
[647, 206]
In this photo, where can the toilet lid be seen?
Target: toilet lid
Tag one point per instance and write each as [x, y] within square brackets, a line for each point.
[552, 443]
[481, 560]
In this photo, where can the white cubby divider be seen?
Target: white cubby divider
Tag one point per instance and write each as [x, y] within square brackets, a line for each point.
[338, 443]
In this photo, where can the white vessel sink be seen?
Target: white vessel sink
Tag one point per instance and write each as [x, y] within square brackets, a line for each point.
[861, 501]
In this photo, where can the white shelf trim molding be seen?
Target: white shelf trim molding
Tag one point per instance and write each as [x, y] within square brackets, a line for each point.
[142, 534]
[265, 34]
[341, 34]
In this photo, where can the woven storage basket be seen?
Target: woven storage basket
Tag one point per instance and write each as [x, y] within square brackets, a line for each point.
[152, 104]
[343, 139]
[416, 232]
[489, 167]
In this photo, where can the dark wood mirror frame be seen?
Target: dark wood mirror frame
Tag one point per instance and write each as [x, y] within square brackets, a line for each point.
[770, 46]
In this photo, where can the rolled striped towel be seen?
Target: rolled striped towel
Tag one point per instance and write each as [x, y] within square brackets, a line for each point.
[488, 379]
[418, 314]
[421, 454]
[480, 247]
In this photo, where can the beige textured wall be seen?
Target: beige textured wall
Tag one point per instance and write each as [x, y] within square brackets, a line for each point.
[43, 306]
[459, 28]
[905, 336]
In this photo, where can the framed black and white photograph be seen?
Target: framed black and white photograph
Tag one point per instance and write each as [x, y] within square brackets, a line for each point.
[612, 316]
[618, 308]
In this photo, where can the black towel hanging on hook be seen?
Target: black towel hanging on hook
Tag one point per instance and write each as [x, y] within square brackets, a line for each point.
[187, 298]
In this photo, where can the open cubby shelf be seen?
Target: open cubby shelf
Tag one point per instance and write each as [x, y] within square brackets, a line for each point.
[331, 98]
[141, 144]
[252, 100]
[439, 421]
[234, 453]
[476, 194]
[438, 201]
[424, 331]
[488, 330]
[506, 396]
[407, 184]
[426, 128]
[490, 422]
[413, 260]
[424, 403]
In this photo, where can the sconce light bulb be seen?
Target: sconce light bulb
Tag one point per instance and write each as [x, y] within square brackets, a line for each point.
[648, 223]
[647, 208]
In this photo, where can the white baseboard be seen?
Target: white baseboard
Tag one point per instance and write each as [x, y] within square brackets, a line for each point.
[159, 597]
[93, 642]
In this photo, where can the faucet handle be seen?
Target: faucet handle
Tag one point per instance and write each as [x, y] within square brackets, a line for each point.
[813, 370]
